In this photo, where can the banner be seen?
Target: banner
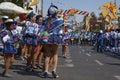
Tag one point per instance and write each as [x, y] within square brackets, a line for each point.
[87, 27]
[109, 9]
[73, 11]
[35, 2]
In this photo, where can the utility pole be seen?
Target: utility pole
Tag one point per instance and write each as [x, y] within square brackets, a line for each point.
[115, 2]
[42, 7]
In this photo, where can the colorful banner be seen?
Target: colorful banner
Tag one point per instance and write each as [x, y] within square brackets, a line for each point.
[34, 2]
[110, 27]
[73, 11]
[109, 9]
[87, 27]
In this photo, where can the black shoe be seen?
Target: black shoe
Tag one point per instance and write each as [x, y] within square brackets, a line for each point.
[29, 69]
[54, 74]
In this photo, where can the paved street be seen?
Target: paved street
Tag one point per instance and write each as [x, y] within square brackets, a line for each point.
[82, 64]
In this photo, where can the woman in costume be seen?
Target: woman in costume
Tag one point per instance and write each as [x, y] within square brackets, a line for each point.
[52, 39]
[65, 41]
[31, 39]
[39, 53]
[9, 38]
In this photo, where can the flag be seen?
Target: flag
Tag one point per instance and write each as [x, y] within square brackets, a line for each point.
[110, 9]
[87, 27]
[85, 13]
[64, 18]
[104, 6]
[104, 13]
[71, 11]
[111, 16]
[110, 27]
[61, 12]
[35, 2]
[77, 11]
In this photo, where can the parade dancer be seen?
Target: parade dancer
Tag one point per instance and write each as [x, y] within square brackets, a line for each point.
[39, 47]
[65, 41]
[31, 39]
[52, 39]
[9, 39]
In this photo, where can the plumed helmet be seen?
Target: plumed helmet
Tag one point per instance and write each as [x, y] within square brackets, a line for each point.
[53, 10]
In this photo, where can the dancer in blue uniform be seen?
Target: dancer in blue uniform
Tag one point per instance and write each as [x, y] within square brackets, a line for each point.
[39, 47]
[52, 39]
[65, 41]
[31, 39]
[9, 39]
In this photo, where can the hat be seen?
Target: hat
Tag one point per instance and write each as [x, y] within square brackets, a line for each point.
[53, 10]
[4, 18]
[10, 21]
[30, 15]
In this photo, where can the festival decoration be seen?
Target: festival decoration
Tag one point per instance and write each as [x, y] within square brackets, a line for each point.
[35, 2]
[11, 8]
[73, 11]
[87, 25]
[110, 27]
[109, 12]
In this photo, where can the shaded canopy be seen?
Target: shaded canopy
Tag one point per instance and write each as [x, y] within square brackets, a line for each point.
[11, 8]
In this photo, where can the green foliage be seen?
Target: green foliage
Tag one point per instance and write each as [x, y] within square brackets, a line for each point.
[93, 15]
[17, 2]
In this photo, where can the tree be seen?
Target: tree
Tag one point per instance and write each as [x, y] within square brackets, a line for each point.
[17, 2]
[93, 21]
[102, 22]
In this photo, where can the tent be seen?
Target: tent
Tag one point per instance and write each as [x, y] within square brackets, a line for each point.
[11, 8]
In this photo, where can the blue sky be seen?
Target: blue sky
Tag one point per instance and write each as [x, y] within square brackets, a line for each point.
[84, 5]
